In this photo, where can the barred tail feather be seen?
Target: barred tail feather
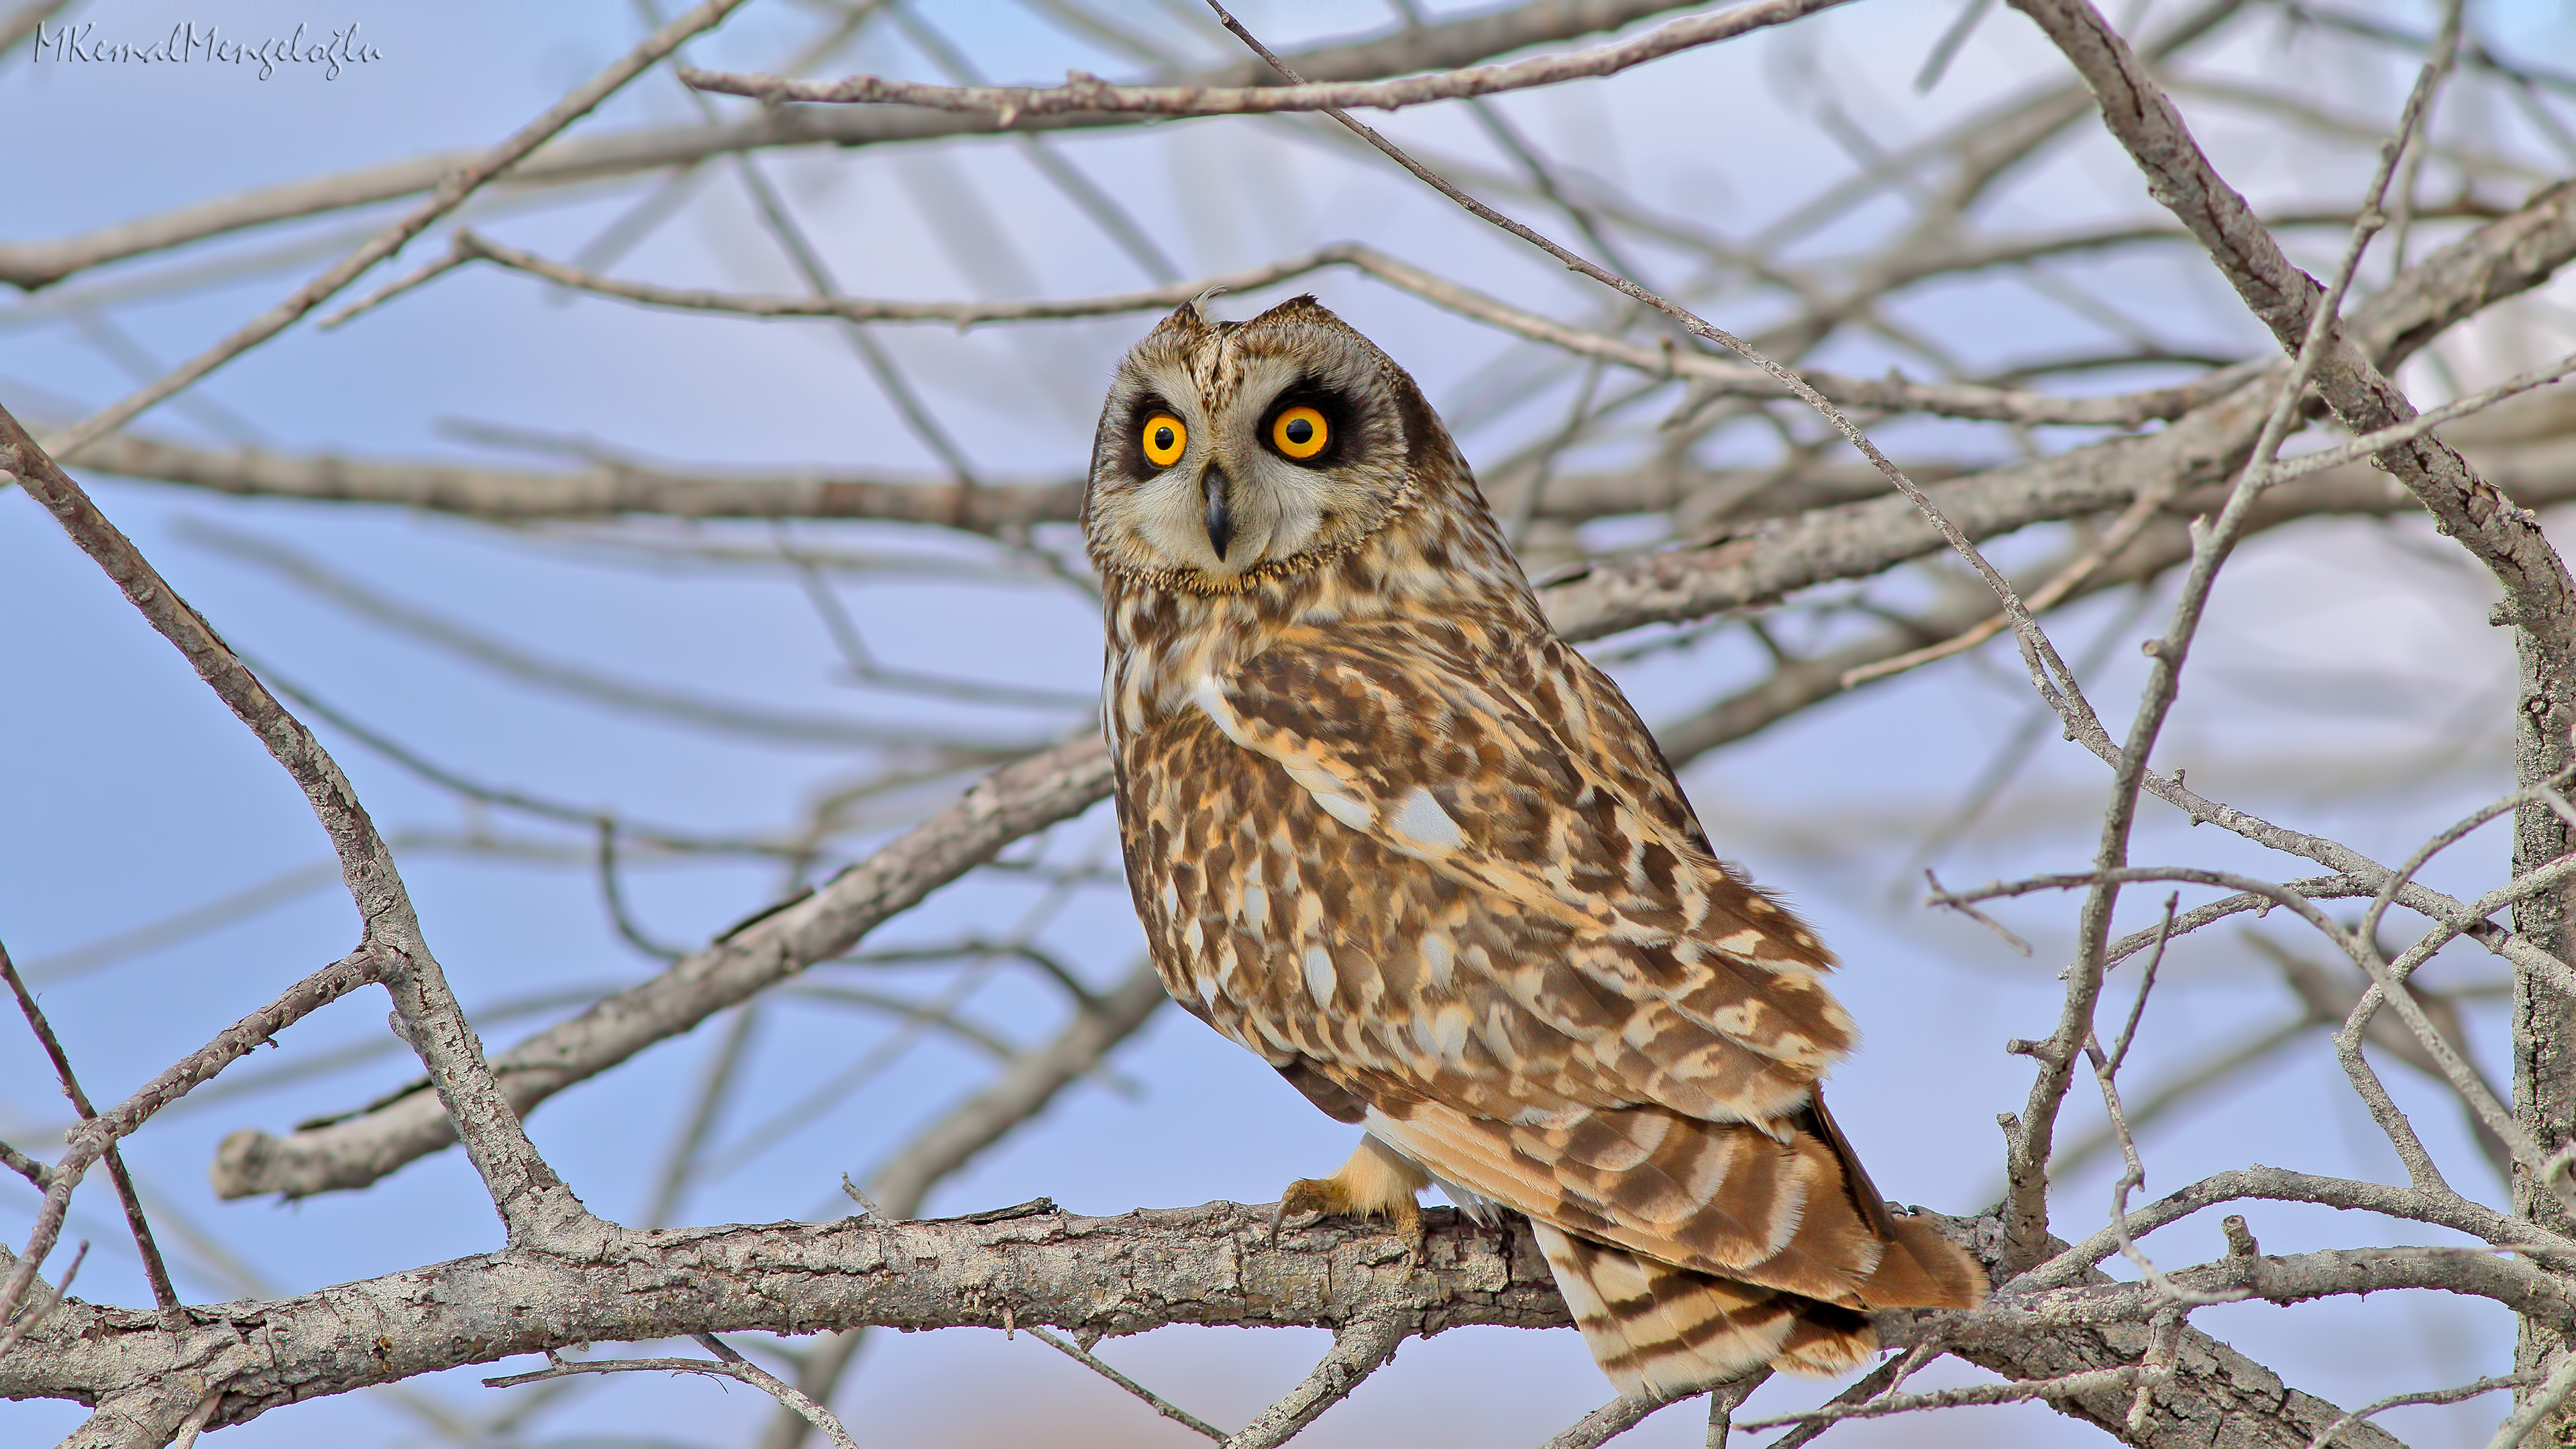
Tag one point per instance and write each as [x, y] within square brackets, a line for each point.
[1661, 1330]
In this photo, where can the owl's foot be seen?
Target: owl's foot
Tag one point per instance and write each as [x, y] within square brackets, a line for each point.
[1376, 1182]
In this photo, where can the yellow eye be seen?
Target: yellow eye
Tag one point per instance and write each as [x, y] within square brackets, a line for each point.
[1164, 438]
[1299, 432]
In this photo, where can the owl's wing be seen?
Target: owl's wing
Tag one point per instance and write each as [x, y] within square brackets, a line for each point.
[1518, 953]
[1548, 879]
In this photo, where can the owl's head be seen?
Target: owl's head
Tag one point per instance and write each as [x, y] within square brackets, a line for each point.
[1233, 450]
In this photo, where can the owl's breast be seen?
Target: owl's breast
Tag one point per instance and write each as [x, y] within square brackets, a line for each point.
[1291, 933]
[1309, 942]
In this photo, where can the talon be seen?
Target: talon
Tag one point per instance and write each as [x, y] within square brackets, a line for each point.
[1307, 1195]
[1374, 1183]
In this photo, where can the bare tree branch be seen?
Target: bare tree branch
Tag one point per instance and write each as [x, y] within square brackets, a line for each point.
[1645, 477]
[1212, 1265]
[730, 1365]
[1016, 800]
[1089, 95]
[607, 489]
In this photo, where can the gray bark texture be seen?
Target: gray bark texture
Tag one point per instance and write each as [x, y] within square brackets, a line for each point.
[1035, 1266]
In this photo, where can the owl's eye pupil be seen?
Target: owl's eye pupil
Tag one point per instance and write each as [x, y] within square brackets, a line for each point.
[1300, 431]
[1163, 438]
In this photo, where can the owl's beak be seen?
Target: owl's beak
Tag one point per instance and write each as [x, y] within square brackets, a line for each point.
[1220, 517]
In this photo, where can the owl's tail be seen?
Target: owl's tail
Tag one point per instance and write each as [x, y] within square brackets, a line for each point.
[1658, 1329]
[1655, 1328]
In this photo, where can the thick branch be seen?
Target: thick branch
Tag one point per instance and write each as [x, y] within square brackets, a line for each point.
[1026, 796]
[607, 488]
[1127, 1274]
[1206, 1265]
[1090, 95]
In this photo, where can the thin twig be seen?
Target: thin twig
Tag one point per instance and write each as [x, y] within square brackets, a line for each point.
[2455, 1394]
[2067, 1386]
[155, 1271]
[727, 1365]
[1942, 896]
[2123, 531]
[1155, 1401]
[2147, 983]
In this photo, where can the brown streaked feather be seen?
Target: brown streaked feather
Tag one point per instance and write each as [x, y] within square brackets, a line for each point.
[1665, 1331]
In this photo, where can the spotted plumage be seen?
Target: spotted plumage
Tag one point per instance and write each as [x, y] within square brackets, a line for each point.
[1388, 831]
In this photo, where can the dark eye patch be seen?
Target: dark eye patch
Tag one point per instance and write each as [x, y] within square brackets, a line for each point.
[1130, 442]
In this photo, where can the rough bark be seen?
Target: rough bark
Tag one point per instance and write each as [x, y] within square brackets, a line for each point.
[1035, 1266]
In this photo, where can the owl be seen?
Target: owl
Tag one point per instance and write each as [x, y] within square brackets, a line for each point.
[1389, 832]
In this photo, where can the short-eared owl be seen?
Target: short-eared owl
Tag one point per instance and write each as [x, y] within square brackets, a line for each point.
[1387, 830]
